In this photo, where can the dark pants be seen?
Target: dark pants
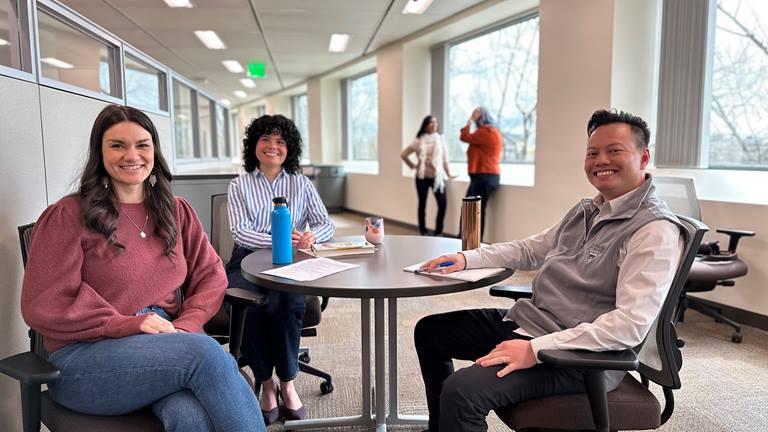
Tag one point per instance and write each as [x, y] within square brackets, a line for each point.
[272, 333]
[482, 185]
[461, 400]
[422, 188]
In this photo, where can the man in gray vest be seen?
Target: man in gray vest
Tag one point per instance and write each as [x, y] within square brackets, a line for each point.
[603, 272]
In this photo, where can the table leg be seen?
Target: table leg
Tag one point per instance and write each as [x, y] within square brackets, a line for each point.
[394, 407]
[365, 349]
[380, 367]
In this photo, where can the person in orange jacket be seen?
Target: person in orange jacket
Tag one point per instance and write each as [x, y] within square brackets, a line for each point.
[483, 157]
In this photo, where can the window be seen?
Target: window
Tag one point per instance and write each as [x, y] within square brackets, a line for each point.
[205, 125]
[183, 127]
[301, 118]
[70, 55]
[738, 127]
[222, 137]
[497, 70]
[145, 85]
[14, 35]
[361, 117]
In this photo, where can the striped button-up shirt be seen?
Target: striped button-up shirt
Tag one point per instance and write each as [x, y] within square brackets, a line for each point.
[250, 206]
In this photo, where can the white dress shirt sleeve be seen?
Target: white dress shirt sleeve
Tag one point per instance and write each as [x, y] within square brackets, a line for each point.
[648, 261]
[527, 254]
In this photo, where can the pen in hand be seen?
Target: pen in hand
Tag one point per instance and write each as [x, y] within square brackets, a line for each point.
[441, 265]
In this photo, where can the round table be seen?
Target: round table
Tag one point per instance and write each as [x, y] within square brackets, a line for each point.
[379, 276]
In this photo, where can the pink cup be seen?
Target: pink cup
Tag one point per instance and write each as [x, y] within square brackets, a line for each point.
[374, 229]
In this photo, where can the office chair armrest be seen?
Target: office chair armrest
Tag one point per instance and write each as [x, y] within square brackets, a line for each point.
[243, 297]
[323, 303]
[32, 371]
[735, 236]
[511, 291]
[29, 368]
[625, 360]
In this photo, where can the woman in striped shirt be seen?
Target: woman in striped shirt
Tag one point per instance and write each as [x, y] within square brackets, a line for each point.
[271, 155]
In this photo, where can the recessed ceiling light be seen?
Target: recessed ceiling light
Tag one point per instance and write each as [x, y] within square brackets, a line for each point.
[4, 42]
[210, 39]
[417, 7]
[241, 94]
[56, 63]
[226, 102]
[178, 3]
[338, 42]
[233, 66]
[247, 83]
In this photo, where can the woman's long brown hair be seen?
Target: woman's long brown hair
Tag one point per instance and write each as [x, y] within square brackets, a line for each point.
[97, 203]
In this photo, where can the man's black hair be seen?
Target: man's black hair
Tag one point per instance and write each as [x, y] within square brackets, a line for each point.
[270, 125]
[638, 125]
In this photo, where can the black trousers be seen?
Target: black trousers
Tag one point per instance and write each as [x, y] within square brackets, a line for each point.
[482, 185]
[461, 400]
[422, 188]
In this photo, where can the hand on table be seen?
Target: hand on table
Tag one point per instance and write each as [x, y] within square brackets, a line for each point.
[516, 354]
[458, 260]
[154, 324]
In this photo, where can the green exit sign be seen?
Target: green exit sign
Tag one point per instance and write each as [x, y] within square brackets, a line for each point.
[257, 70]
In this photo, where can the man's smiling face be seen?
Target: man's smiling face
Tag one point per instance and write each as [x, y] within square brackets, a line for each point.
[614, 164]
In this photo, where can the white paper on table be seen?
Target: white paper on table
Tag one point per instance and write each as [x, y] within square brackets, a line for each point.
[310, 269]
[471, 275]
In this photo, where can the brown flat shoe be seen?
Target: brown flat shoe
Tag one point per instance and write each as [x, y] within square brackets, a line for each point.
[298, 414]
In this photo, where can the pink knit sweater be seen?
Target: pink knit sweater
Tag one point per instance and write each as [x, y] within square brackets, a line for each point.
[78, 288]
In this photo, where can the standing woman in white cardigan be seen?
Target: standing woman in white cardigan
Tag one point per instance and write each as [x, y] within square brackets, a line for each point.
[432, 170]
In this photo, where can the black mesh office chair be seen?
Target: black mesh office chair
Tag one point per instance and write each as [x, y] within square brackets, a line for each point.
[33, 370]
[631, 406]
[222, 241]
[713, 267]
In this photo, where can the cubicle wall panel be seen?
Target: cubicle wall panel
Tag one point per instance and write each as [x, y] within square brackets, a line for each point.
[67, 122]
[22, 198]
[198, 191]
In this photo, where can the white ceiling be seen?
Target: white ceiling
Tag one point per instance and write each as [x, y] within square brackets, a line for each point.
[296, 31]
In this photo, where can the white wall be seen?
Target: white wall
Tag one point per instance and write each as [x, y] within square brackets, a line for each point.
[23, 197]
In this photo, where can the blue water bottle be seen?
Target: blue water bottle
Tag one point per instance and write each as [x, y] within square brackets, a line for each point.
[281, 232]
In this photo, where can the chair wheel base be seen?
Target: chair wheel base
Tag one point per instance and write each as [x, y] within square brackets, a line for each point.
[304, 357]
[736, 338]
[326, 387]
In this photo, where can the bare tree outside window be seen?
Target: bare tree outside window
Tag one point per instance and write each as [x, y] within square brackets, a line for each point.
[738, 134]
[363, 117]
[498, 70]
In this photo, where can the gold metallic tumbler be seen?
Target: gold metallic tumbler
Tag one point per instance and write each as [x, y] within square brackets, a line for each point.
[470, 223]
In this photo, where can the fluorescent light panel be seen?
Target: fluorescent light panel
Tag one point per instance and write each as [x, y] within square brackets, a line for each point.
[416, 7]
[4, 42]
[210, 39]
[338, 42]
[56, 63]
[241, 94]
[178, 3]
[233, 66]
[247, 83]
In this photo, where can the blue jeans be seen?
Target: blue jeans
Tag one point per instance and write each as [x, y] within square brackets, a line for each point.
[273, 332]
[190, 381]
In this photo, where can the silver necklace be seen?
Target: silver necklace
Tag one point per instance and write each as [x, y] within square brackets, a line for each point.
[141, 230]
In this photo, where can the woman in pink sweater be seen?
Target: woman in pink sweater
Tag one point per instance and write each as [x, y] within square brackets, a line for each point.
[100, 285]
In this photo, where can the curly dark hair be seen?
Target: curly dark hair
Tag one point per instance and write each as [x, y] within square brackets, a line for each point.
[270, 125]
[638, 125]
[97, 203]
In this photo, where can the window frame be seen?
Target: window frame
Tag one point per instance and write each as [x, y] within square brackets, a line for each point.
[294, 112]
[27, 36]
[166, 97]
[440, 60]
[71, 19]
[346, 150]
[196, 153]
